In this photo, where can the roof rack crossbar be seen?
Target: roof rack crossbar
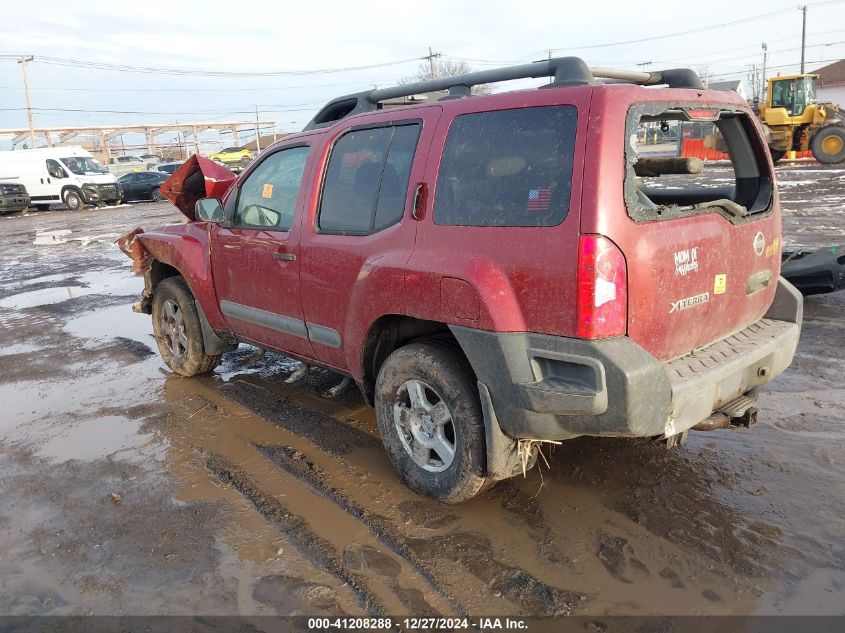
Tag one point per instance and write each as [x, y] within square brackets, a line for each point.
[567, 71]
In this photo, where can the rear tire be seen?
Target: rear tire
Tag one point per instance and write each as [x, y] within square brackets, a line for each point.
[828, 144]
[177, 329]
[73, 200]
[430, 421]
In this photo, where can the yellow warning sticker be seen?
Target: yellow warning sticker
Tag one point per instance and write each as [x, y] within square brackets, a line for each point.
[773, 248]
[720, 284]
[267, 192]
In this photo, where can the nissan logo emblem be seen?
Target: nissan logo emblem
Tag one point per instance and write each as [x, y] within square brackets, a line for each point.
[759, 243]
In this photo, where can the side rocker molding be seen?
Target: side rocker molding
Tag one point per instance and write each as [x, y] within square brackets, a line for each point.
[502, 451]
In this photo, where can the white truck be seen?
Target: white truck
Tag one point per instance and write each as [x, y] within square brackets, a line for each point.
[68, 175]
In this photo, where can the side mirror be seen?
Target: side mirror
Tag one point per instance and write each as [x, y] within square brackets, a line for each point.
[208, 210]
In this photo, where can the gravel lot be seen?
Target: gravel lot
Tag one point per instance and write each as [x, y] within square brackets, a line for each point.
[129, 490]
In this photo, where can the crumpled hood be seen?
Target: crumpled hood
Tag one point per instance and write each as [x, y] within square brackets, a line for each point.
[198, 178]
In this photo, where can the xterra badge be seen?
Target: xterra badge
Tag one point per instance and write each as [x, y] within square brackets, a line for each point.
[689, 302]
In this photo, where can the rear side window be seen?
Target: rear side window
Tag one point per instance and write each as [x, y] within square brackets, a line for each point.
[507, 168]
[683, 160]
[366, 180]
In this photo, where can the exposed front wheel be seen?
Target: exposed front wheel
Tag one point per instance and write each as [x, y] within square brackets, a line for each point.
[430, 420]
[177, 329]
[157, 196]
[828, 144]
[73, 200]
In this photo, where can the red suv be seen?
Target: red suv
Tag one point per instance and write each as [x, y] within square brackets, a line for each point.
[494, 271]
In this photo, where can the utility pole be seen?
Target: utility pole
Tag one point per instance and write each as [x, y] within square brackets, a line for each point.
[257, 139]
[22, 61]
[763, 96]
[430, 57]
[803, 9]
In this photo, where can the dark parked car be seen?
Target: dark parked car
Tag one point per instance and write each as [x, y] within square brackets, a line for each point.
[169, 167]
[142, 185]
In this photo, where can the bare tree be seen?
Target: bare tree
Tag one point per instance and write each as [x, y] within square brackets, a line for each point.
[444, 68]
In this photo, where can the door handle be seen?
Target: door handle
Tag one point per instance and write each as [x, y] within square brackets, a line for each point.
[420, 195]
[285, 257]
[232, 247]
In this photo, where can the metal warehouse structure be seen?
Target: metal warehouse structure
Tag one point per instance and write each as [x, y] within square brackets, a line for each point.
[107, 133]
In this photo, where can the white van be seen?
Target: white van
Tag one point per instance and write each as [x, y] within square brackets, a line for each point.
[60, 174]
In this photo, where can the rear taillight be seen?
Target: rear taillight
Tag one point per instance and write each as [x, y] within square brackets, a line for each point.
[602, 288]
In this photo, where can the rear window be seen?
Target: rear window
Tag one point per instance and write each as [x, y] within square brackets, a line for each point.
[684, 160]
[507, 168]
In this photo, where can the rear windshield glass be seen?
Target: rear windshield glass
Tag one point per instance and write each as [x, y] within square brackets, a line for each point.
[507, 168]
[687, 160]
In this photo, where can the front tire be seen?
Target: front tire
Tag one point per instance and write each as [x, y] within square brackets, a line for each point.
[828, 144]
[177, 329]
[429, 417]
[73, 200]
[156, 195]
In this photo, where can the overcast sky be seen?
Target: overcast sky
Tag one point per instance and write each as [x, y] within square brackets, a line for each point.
[272, 36]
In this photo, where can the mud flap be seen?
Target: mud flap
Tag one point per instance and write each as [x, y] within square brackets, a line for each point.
[503, 460]
[214, 344]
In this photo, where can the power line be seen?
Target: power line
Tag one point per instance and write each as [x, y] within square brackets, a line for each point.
[745, 70]
[192, 90]
[699, 29]
[87, 111]
[79, 63]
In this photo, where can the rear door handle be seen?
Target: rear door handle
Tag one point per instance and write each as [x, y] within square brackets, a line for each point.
[285, 257]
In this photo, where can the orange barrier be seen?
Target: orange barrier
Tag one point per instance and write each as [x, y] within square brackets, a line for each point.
[694, 148]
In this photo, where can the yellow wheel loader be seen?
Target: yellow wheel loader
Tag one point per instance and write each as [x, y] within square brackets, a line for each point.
[794, 120]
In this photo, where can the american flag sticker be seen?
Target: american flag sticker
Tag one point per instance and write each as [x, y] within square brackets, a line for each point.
[539, 199]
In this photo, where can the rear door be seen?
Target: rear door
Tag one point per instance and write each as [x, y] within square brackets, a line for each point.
[255, 261]
[702, 249]
[360, 235]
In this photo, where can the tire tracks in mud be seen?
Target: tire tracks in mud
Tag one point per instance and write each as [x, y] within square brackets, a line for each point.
[296, 529]
[296, 464]
[469, 548]
[472, 550]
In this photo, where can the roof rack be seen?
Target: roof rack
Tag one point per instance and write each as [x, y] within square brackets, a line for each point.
[567, 71]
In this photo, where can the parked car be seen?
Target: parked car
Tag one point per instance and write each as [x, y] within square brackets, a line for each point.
[495, 271]
[13, 197]
[119, 165]
[60, 174]
[169, 167]
[233, 156]
[142, 185]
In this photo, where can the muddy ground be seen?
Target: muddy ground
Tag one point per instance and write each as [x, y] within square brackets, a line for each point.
[128, 490]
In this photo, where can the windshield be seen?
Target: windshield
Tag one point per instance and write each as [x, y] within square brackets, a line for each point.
[82, 165]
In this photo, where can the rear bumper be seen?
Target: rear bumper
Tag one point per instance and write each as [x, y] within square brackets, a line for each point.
[553, 388]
